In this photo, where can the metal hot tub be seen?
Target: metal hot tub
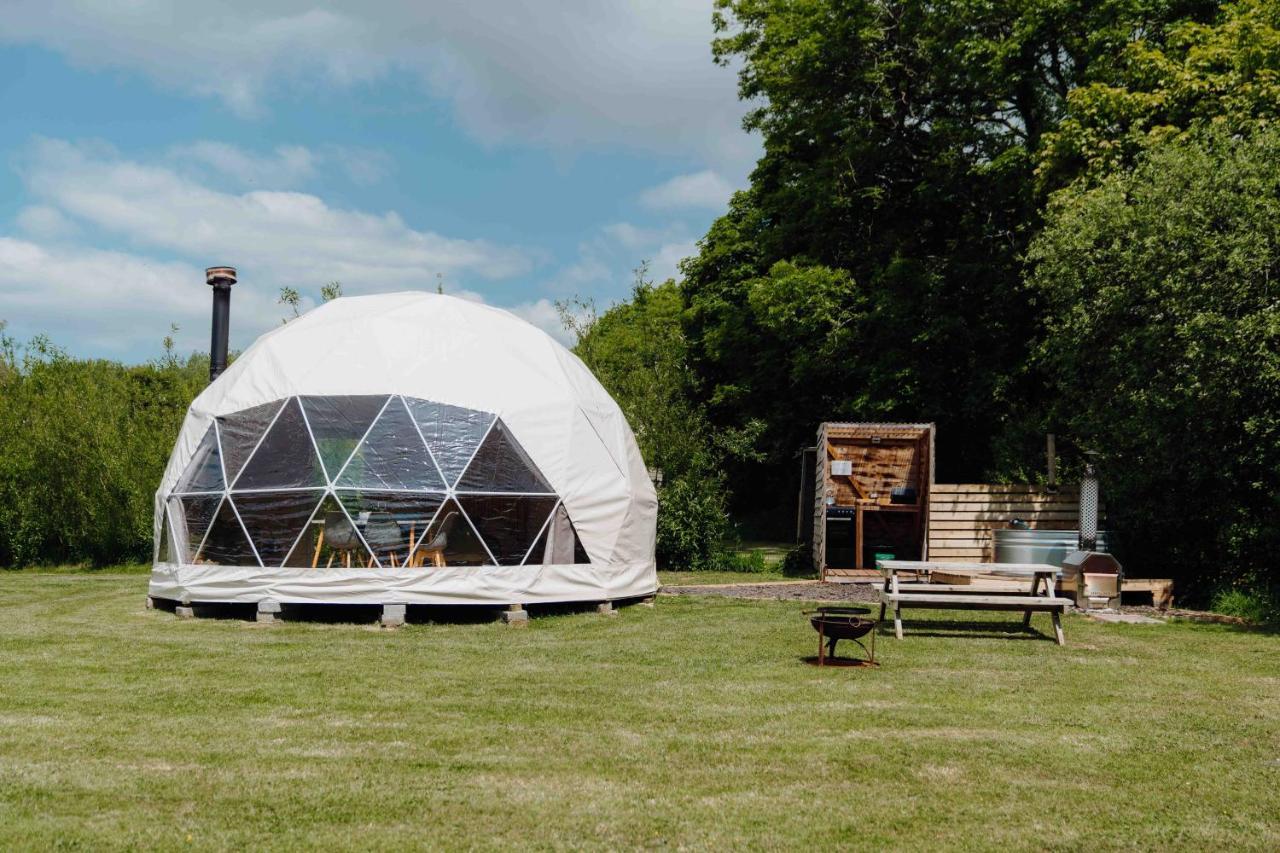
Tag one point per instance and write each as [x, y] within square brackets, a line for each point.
[1016, 545]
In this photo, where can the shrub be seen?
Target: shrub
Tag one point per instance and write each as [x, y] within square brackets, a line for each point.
[1254, 605]
[799, 562]
[751, 562]
[693, 523]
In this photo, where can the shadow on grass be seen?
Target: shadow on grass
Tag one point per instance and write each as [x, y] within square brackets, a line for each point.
[366, 614]
[955, 628]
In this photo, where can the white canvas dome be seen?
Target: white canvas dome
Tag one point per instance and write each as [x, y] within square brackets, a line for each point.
[407, 448]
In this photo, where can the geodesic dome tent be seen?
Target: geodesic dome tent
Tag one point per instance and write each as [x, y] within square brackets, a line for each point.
[405, 448]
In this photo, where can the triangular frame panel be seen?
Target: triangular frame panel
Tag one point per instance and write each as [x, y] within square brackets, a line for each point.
[338, 424]
[501, 465]
[275, 521]
[452, 433]
[239, 434]
[285, 458]
[508, 525]
[392, 456]
[203, 474]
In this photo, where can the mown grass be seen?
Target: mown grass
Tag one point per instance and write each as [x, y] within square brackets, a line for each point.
[690, 724]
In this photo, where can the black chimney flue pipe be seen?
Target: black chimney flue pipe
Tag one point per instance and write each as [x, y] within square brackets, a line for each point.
[220, 279]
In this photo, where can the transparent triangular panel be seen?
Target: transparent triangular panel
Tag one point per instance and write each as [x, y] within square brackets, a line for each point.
[191, 517]
[167, 547]
[508, 525]
[391, 522]
[539, 555]
[392, 456]
[452, 433]
[450, 541]
[558, 543]
[225, 544]
[286, 458]
[274, 520]
[338, 424]
[204, 471]
[501, 465]
[239, 433]
[329, 539]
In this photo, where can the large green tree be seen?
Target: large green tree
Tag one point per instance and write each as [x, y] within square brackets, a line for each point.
[900, 144]
[1161, 347]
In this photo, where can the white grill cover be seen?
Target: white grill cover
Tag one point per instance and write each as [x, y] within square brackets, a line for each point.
[461, 353]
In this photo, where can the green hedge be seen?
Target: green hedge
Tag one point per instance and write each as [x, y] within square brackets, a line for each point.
[83, 444]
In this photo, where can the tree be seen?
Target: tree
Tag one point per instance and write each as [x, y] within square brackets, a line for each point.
[1223, 73]
[638, 352]
[1161, 345]
[900, 143]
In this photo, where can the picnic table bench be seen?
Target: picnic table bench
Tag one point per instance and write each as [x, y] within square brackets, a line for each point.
[899, 594]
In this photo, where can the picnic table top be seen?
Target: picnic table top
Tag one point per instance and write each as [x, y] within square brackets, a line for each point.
[888, 567]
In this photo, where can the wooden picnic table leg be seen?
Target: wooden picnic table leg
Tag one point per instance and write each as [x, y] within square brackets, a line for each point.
[897, 608]
[885, 589]
[1057, 626]
[1035, 588]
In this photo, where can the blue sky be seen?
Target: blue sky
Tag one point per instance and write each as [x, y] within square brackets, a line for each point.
[524, 153]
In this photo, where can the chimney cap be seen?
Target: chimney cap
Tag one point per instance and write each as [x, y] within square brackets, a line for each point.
[220, 275]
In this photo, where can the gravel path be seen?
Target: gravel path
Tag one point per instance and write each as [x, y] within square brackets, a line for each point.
[785, 591]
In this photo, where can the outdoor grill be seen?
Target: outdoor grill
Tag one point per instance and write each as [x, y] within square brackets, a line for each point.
[1095, 578]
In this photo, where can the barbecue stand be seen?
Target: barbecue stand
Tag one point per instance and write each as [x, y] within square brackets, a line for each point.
[834, 624]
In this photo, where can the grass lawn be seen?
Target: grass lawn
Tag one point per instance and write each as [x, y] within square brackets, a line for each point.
[689, 724]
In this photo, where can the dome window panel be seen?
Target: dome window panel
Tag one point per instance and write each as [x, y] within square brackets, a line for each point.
[275, 520]
[501, 465]
[390, 523]
[204, 471]
[190, 518]
[453, 433]
[338, 423]
[509, 525]
[450, 540]
[392, 456]
[167, 548]
[558, 544]
[226, 544]
[286, 457]
[329, 539]
[240, 432]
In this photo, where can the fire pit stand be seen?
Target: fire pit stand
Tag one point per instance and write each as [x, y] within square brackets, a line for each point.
[834, 624]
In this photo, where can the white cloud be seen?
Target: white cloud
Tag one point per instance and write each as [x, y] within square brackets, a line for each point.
[705, 189]
[114, 302]
[568, 75]
[287, 166]
[122, 301]
[292, 237]
[40, 220]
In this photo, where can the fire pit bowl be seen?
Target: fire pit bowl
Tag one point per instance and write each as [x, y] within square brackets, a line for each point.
[842, 623]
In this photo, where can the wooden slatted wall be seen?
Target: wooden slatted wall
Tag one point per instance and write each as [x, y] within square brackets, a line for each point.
[961, 517]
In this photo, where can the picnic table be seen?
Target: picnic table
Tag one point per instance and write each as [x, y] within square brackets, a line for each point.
[901, 594]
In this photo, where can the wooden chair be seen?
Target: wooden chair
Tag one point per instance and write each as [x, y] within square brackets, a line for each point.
[339, 534]
[435, 548]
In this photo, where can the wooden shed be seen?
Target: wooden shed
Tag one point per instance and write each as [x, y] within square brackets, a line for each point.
[872, 488]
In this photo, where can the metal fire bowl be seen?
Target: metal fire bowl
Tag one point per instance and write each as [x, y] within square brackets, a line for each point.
[841, 627]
